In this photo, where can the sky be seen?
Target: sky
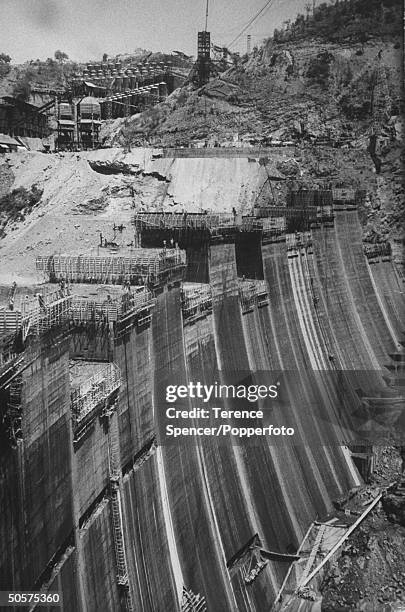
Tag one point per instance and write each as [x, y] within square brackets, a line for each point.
[85, 29]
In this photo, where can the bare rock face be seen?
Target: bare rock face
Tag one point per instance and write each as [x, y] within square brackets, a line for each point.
[394, 503]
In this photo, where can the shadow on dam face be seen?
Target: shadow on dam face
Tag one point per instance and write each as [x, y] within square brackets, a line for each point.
[198, 243]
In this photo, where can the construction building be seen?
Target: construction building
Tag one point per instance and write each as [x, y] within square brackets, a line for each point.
[18, 118]
[204, 57]
[9, 144]
[108, 91]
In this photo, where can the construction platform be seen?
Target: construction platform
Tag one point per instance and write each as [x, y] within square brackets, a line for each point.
[196, 301]
[298, 218]
[110, 304]
[36, 313]
[298, 241]
[93, 386]
[183, 227]
[150, 267]
[252, 293]
[63, 309]
[376, 252]
[197, 298]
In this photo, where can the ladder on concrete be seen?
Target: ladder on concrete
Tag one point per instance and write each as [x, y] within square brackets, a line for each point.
[116, 508]
[122, 574]
[314, 552]
[113, 447]
[14, 410]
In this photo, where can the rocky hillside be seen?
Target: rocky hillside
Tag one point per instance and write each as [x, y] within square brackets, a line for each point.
[315, 79]
[320, 87]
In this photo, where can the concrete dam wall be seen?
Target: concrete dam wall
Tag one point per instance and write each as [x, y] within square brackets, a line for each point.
[100, 506]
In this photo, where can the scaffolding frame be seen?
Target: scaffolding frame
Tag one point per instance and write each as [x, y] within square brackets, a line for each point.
[10, 321]
[201, 221]
[87, 396]
[12, 416]
[46, 311]
[376, 251]
[110, 310]
[252, 293]
[142, 267]
[43, 312]
[298, 240]
[37, 314]
[196, 301]
[192, 602]
[211, 225]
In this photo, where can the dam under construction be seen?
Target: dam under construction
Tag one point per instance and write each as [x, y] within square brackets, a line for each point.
[102, 503]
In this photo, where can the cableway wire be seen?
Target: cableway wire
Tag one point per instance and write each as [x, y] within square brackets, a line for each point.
[258, 14]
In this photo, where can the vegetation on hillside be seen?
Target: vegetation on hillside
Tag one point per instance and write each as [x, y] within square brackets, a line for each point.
[14, 206]
[346, 20]
[4, 64]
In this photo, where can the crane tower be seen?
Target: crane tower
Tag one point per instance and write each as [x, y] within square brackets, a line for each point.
[204, 53]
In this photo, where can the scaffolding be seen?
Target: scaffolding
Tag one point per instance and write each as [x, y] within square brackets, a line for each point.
[298, 240]
[196, 301]
[253, 293]
[192, 602]
[10, 321]
[347, 197]
[143, 266]
[305, 198]
[37, 314]
[200, 221]
[177, 226]
[44, 311]
[116, 506]
[10, 356]
[273, 224]
[376, 251]
[112, 309]
[305, 213]
[96, 389]
[12, 416]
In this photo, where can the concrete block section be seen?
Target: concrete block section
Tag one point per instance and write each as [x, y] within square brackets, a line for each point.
[222, 270]
[150, 554]
[97, 542]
